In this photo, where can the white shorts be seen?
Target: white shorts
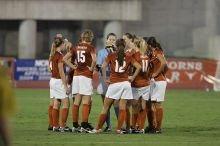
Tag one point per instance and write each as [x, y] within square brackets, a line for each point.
[102, 87]
[143, 92]
[82, 85]
[57, 89]
[157, 90]
[121, 90]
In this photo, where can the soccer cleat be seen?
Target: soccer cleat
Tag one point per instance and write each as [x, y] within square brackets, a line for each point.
[50, 128]
[107, 129]
[95, 131]
[56, 129]
[61, 129]
[121, 132]
[140, 131]
[158, 131]
[67, 129]
[86, 127]
[76, 129]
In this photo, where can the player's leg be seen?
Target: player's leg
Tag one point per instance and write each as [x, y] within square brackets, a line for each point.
[116, 107]
[75, 111]
[55, 115]
[122, 113]
[50, 111]
[134, 112]
[65, 109]
[159, 116]
[105, 110]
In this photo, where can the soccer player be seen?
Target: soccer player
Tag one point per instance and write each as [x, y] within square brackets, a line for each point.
[85, 56]
[58, 85]
[119, 85]
[131, 51]
[140, 88]
[50, 108]
[158, 84]
[102, 87]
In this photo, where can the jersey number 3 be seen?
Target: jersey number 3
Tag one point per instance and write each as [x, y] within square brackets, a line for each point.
[81, 56]
[118, 68]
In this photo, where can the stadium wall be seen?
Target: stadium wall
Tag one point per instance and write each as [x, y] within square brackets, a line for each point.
[198, 74]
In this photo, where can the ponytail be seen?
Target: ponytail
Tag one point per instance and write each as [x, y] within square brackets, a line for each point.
[120, 44]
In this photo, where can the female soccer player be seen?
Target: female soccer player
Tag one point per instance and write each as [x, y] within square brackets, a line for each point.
[102, 87]
[132, 51]
[58, 85]
[119, 86]
[140, 87]
[158, 85]
[85, 56]
[50, 108]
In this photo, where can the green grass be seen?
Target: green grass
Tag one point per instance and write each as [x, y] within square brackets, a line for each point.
[191, 118]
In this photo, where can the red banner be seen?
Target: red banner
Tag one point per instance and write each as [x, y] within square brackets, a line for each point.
[191, 73]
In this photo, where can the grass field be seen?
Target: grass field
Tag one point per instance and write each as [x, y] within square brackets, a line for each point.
[191, 118]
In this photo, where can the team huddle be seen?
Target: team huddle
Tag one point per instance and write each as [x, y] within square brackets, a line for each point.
[131, 78]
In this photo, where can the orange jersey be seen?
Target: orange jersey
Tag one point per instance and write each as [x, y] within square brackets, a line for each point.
[82, 56]
[142, 78]
[134, 54]
[156, 65]
[58, 57]
[119, 73]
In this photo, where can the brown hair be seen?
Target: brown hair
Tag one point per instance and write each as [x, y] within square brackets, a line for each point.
[120, 44]
[58, 41]
[87, 36]
[111, 34]
[140, 43]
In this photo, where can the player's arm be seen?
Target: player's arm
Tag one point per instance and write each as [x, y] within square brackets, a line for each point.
[93, 61]
[162, 65]
[62, 75]
[138, 69]
[67, 60]
[104, 65]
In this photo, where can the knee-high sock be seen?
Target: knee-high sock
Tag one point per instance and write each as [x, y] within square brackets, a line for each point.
[134, 120]
[85, 113]
[64, 117]
[75, 113]
[50, 115]
[128, 117]
[143, 115]
[159, 117]
[102, 118]
[55, 115]
[121, 119]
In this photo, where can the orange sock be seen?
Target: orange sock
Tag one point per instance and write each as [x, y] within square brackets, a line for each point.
[75, 113]
[151, 119]
[55, 115]
[134, 120]
[159, 117]
[64, 117]
[121, 118]
[50, 111]
[127, 118]
[85, 112]
[138, 119]
[102, 118]
[143, 115]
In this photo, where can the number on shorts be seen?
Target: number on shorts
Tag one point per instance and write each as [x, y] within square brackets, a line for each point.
[118, 68]
[81, 56]
[144, 65]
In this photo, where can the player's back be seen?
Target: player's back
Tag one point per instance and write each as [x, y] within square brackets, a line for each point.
[82, 56]
[119, 73]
